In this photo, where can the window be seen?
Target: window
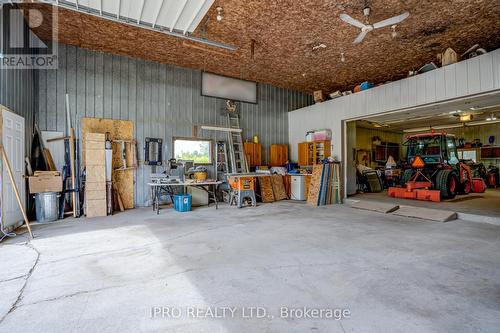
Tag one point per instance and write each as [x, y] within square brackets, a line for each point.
[197, 150]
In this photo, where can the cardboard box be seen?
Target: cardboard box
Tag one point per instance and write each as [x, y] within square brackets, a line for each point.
[42, 184]
[319, 96]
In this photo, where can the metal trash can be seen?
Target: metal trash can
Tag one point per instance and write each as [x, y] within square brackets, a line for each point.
[47, 206]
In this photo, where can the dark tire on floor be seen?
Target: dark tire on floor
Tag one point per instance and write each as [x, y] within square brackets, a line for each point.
[447, 183]
[465, 187]
[406, 176]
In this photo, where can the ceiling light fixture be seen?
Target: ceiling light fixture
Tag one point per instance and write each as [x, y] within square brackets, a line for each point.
[394, 33]
[342, 57]
[491, 117]
[219, 14]
[466, 117]
[473, 123]
[428, 128]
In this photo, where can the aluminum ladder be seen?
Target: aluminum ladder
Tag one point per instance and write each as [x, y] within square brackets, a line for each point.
[235, 140]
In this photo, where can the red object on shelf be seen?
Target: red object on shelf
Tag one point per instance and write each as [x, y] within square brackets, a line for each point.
[478, 185]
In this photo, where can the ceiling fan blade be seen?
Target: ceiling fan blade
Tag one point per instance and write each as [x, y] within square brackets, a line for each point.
[360, 37]
[391, 21]
[346, 18]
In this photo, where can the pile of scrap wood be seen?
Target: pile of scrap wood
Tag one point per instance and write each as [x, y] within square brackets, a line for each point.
[325, 186]
[272, 188]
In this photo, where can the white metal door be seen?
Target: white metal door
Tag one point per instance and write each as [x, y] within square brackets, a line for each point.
[13, 142]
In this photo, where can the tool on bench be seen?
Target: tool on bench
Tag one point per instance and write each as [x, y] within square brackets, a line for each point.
[242, 189]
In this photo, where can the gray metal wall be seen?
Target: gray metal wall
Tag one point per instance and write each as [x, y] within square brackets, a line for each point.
[162, 101]
[18, 93]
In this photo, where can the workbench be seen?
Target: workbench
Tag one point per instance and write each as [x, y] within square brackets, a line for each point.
[157, 188]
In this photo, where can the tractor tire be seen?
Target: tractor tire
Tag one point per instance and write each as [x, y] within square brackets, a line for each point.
[407, 176]
[447, 183]
[465, 187]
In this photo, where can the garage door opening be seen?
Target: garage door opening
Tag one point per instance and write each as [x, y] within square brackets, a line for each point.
[455, 147]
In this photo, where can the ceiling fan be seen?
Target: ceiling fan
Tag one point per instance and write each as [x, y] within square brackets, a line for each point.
[366, 28]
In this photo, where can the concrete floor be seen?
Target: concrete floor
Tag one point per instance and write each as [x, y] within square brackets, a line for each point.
[392, 274]
[487, 203]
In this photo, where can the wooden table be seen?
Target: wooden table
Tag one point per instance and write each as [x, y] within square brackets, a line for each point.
[157, 188]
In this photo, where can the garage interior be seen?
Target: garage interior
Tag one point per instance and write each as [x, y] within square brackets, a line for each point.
[247, 166]
[472, 122]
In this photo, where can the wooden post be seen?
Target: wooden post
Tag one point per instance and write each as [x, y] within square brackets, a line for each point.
[14, 186]
[72, 165]
[71, 134]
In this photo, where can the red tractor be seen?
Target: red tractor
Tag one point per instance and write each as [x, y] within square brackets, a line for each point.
[435, 166]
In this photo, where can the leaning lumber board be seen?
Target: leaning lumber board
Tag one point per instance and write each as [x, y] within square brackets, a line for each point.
[278, 187]
[266, 189]
[315, 184]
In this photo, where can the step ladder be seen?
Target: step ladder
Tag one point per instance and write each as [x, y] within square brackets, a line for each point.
[235, 143]
[222, 167]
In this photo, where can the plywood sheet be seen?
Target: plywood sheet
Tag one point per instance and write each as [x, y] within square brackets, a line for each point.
[278, 187]
[266, 189]
[118, 130]
[314, 186]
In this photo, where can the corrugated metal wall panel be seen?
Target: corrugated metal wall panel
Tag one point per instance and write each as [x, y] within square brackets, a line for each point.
[162, 101]
[17, 93]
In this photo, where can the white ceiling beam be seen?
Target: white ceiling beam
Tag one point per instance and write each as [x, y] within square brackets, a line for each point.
[158, 13]
[176, 18]
[140, 12]
[196, 12]
[71, 6]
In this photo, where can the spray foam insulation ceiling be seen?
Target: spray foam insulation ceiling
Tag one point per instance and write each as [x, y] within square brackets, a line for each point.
[274, 39]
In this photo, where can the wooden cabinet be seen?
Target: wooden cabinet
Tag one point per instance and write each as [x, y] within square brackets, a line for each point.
[253, 153]
[278, 155]
[305, 153]
[311, 153]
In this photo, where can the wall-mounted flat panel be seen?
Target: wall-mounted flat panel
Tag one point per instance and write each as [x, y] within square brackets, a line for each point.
[450, 80]
[214, 85]
[461, 78]
[486, 72]
[473, 76]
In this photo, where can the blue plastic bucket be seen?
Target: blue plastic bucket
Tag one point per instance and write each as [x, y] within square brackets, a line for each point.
[182, 202]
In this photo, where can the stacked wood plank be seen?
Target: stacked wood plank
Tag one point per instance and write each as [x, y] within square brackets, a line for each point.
[325, 186]
[123, 180]
[95, 182]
